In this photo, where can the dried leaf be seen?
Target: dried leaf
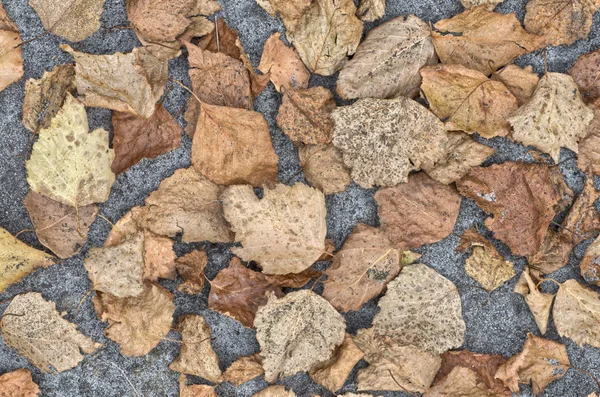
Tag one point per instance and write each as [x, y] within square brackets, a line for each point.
[136, 138]
[583, 220]
[586, 74]
[305, 115]
[488, 4]
[482, 40]
[45, 97]
[223, 39]
[291, 12]
[68, 164]
[75, 21]
[371, 10]
[275, 391]
[32, 326]
[423, 309]
[386, 64]
[332, 374]
[467, 100]
[283, 64]
[284, 232]
[555, 116]
[461, 382]
[324, 168]
[590, 263]
[233, 146]
[243, 370]
[422, 211]
[589, 147]
[297, 332]
[540, 362]
[576, 315]
[190, 268]
[538, 302]
[520, 82]
[552, 254]
[195, 390]
[384, 140]
[139, 323]
[159, 257]
[18, 383]
[11, 63]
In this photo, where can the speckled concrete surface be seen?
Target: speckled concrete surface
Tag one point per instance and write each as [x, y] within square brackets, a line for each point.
[496, 323]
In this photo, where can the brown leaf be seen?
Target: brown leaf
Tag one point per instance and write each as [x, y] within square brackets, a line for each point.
[275, 391]
[422, 211]
[243, 370]
[258, 82]
[586, 74]
[190, 268]
[361, 269]
[18, 383]
[59, 227]
[520, 82]
[11, 64]
[283, 64]
[522, 198]
[159, 257]
[290, 11]
[387, 62]
[332, 374]
[482, 40]
[467, 100]
[383, 140]
[489, 4]
[305, 115]
[540, 362]
[195, 390]
[588, 158]
[75, 21]
[590, 263]
[223, 40]
[137, 324]
[461, 382]
[576, 313]
[371, 10]
[552, 254]
[324, 168]
[538, 302]
[583, 220]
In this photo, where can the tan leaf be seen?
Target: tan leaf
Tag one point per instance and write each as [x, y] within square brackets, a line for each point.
[305, 115]
[283, 64]
[383, 140]
[223, 39]
[520, 82]
[45, 97]
[11, 64]
[540, 362]
[422, 211]
[462, 153]
[159, 257]
[195, 390]
[190, 268]
[387, 62]
[590, 263]
[275, 391]
[136, 138]
[291, 12]
[124, 229]
[139, 323]
[196, 356]
[361, 269]
[522, 198]
[488, 4]
[332, 374]
[297, 332]
[538, 302]
[59, 227]
[467, 100]
[186, 202]
[371, 10]
[586, 74]
[75, 21]
[324, 168]
[233, 146]
[32, 326]
[243, 370]
[576, 315]
[482, 40]
[68, 164]
[588, 158]
[130, 83]
[463, 382]
[284, 232]
[258, 82]
[423, 309]
[18, 383]
[17, 259]
[583, 220]
[552, 254]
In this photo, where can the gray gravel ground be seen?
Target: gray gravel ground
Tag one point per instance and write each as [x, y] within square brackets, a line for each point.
[497, 323]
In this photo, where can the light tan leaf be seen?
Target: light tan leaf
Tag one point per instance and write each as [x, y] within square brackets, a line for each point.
[538, 302]
[576, 313]
[461, 382]
[190, 268]
[124, 229]
[283, 64]
[243, 370]
[332, 374]
[371, 10]
[297, 332]
[284, 232]
[386, 64]
[159, 257]
[590, 263]
[482, 40]
[421, 308]
[586, 74]
[130, 83]
[467, 100]
[17, 259]
[520, 82]
[68, 164]
[554, 117]
[275, 391]
[59, 227]
[291, 12]
[324, 168]
[540, 362]
[38, 332]
[73, 20]
[383, 140]
[186, 390]
[588, 158]
[18, 383]
[137, 324]
[422, 211]
[11, 58]
[488, 4]
[45, 97]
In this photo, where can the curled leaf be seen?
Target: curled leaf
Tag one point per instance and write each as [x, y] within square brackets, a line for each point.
[538, 302]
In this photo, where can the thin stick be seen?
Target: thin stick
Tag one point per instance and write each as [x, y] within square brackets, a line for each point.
[30, 40]
[106, 219]
[583, 371]
[83, 299]
[24, 231]
[125, 376]
[546, 279]
[217, 35]
[398, 383]
[188, 90]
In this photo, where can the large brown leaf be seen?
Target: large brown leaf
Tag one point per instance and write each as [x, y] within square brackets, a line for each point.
[11, 58]
[586, 73]
[324, 168]
[18, 383]
[539, 303]
[520, 82]
[73, 20]
[576, 313]
[332, 374]
[283, 65]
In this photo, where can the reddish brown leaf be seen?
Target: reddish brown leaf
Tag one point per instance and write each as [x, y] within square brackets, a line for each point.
[191, 269]
[586, 73]
[18, 384]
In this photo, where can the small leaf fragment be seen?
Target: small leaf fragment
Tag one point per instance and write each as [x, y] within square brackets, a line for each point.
[18, 383]
[585, 73]
[159, 257]
[539, 303]
[332, 374]
[324, 168]
[283, 65]
[243, 370]
[190, 268]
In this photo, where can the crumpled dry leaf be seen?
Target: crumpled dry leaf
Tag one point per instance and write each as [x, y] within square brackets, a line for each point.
[68, 164]
[523, 199]
[583, 220]
[383, 140]
[305, 115]
[186, 390]
[386, 64]
[290, 11]
[540, 362]
[361, 268]
[461, 382]
[489, 4]
[18, 383]
[196, 356]
[159, 257]
[243, 370]
[467, 100]
[59, 227]
[422, 211]
[275, 391]
[371, 10]
[130, 83]
[552, 254]
[482, 40]
[45, 97]
[233, 146]
[75, 21]
[284, 232]
[588, 157]
[39, 333]
[421, 308]
[190, 268]
[576, 313]
[585, 73]
[555, 116]
[137, 324]
[223, 40]
[136, 138]
[521, 82]
[539, 303]
[17, 259]
[324, 168]
[297, 332]
[590, 263]
[283, 64]
[11, 64]
[332, 374]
